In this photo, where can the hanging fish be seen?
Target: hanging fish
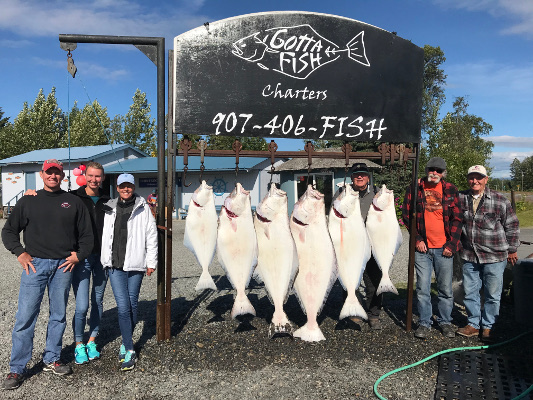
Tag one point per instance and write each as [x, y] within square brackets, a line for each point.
[277, 260]
[237, 246]
[317, 269]
[352, 247]
[201, 232]
[296, 51]
[385, 235]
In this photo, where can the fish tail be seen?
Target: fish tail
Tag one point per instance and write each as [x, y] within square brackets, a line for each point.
[205, 282]
[356, 49]
[352, 308]
[386, 285]
[309, 334]
[279, 318]
[242, 306]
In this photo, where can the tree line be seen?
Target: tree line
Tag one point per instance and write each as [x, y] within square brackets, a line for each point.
[458, 136]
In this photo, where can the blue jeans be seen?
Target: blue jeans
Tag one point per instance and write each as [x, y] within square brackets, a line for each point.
[126, 287]
[32, 288]
[491, 276]
[424, 265]
[81, 279]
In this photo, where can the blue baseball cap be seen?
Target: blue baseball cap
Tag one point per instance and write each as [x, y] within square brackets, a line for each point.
[123, 178]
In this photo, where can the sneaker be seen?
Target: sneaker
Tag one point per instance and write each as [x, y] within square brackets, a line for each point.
[92, 353]
[468, 331]
[80, 354]
[121, 353]
[129, 361]
[13, 381]
[422, 332]
[447, 330]
[356, 320]
[58, 368]
[375, 324]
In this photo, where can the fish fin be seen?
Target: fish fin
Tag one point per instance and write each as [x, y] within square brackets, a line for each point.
[267, 231]
[386, 285]
[309, 335]
[242, 306]
[352, 308]
[205, 282]
[356, 49]
[262, 66]
[399, 240]
[187, 240]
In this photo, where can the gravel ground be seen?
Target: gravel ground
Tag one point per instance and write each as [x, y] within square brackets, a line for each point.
[211, 356]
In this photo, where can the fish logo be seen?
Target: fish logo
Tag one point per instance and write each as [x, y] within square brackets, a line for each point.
[296, 51]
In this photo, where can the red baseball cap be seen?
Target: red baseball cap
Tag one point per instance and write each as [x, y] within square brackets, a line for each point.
[53, 163]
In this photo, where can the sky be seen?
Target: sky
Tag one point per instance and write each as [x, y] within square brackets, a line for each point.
[488, 45]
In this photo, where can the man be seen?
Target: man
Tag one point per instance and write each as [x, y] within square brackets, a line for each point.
[438, 235]
[57, 235]
[490, 239]
[372, 274]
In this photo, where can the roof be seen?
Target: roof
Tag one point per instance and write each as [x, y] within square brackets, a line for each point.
[300, 164]
[149, 164]
[84, 153]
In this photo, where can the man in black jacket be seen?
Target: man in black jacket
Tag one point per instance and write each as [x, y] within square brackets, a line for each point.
[57, 235]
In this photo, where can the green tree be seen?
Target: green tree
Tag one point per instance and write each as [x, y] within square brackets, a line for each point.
[41, 125]
[459, 141]
[3, 121]
[88, 126]
[8, 146]
[226, 143]
[522, 173]
[136, 127]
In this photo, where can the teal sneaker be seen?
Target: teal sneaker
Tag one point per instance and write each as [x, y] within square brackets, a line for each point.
[80, 354]
[121, 353]
[91, 351]
[129, 361]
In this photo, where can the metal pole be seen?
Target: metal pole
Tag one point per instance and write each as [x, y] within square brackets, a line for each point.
[154, 49]
[412, 239]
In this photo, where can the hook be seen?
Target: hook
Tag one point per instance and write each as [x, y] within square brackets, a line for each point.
[185, 145]
[202, 145]
[309, 149]
[272, 147]
[237, 147]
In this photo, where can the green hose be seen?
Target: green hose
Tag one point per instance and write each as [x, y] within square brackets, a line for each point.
[529, 390]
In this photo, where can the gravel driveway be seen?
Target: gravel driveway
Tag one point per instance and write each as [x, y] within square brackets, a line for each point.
[211, 356]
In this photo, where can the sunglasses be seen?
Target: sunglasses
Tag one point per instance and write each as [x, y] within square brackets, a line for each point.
[437, 170]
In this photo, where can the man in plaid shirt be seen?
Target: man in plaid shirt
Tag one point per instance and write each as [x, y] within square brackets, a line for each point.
[438, 233]
[490, 239]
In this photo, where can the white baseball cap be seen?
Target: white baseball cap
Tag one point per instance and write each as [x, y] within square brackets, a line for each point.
[477, 169]
[122, 178]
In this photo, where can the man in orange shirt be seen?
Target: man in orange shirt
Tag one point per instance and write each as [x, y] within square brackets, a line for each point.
[438, 234]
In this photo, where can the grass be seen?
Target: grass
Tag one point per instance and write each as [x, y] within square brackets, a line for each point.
[524, 212]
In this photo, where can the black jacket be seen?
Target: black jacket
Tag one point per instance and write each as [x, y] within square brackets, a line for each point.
[96, 213]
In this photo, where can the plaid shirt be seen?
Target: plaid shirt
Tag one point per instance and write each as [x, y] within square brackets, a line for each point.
[492, 232]
[451, 215]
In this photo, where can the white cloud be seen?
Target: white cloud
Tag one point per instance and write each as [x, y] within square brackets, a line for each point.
[512, 141]
[501, 162]
[518, 13]
[100, 17]
[15, 44]
[89, 69]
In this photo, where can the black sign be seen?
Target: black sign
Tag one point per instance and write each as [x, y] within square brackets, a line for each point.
[297, 75]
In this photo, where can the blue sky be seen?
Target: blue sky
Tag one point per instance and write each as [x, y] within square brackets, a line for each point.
[488, 46]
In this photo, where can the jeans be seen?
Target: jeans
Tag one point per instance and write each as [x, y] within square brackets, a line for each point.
[424, 265]
[491, 276]
[32, 288]
[81, 279]
[126, 287]
[372, 277]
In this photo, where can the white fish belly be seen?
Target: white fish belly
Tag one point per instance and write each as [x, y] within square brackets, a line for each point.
[237, 250]
[276, 260]
[385, 238]
[201, 233]
[352, 249]
[316, 270]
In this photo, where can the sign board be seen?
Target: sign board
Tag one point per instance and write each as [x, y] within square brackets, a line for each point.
[297, 75]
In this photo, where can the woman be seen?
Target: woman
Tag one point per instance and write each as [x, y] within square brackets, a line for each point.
[129, 249]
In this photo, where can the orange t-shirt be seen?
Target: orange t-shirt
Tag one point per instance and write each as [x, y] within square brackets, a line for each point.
[435, 235]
